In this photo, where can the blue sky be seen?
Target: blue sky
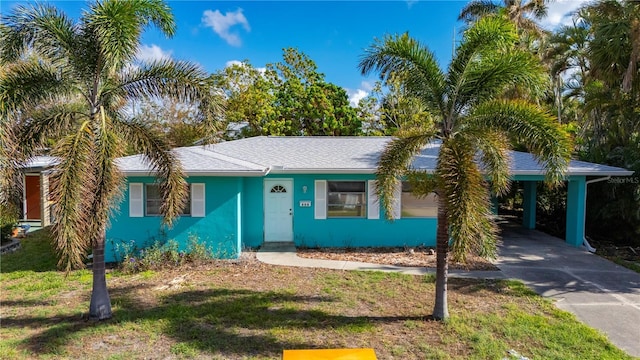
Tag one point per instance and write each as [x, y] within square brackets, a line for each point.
[333, 33]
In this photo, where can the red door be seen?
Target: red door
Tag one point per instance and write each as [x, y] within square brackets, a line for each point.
[32, 192]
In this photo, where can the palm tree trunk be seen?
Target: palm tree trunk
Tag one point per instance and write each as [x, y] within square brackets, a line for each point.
[441, 308]
[100, 307]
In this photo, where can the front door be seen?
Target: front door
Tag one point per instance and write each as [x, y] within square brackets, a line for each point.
[278, 210]
[32, 197]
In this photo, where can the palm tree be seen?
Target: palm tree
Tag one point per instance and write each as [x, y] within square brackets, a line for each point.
[74, 82]
[615, 47]
[473, 121]
[522, 13]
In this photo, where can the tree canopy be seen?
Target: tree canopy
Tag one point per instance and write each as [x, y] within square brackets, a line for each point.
[472, 119]
[74, 81]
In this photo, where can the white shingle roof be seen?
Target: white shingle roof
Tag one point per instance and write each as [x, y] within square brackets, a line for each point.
[42, 161]
[306, 153]
[196, 160]
[323, 155]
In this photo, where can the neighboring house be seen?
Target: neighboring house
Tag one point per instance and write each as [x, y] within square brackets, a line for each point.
[314, 191]
[36, 200]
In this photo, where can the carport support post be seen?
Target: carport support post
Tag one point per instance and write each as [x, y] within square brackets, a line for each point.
[529, 205]
[576, 191]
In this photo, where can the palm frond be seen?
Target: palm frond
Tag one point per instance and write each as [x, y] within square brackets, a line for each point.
[488, 78]
[395, 162]
[403, 54]
[48, 121]
[73, 194]
[422, 183]
[117, 26]
[108, 178]
[475, 10]
[10, 162]
[163, 162]
[489, 33]
[467, 200]
[26, 84]
[181, 80]
[534, 127]
[493, 148]
[41, 28]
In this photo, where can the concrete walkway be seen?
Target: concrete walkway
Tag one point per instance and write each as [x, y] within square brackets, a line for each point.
[281, 253]
[600, 293]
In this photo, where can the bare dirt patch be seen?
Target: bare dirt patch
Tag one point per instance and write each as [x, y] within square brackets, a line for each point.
[419, 256]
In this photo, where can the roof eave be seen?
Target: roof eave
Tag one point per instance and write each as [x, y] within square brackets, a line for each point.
[320, 171]
[222, 173]
[576, 173]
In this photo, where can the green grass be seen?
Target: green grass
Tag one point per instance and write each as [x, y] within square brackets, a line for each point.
[631, 265]
[230, 310]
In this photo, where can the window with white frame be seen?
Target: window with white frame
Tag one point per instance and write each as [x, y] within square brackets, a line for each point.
[346, 199]
[153, 201]
[413, 206]
[146, 200]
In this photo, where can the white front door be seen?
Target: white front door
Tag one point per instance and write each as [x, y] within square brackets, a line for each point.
[278, 210]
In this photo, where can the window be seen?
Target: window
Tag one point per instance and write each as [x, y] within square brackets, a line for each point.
[153, 201]
[346, 199]
[417, 207]
[278, 189]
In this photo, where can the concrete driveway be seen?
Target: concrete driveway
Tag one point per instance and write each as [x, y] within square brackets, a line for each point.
[600, 293]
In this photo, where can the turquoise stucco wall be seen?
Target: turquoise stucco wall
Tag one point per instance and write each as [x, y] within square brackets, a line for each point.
[220, 229]
[576, 203]
[342, 232]
[234, 219]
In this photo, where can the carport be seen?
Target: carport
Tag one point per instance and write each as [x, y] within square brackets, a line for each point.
[579, 175]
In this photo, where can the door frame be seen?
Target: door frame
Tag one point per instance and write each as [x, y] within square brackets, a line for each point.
[290, 189]
[25, 207]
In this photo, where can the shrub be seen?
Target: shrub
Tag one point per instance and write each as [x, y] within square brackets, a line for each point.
[8, 221]
[160, 255]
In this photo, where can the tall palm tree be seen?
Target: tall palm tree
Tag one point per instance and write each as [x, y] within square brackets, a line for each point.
[615, 47]
[73, 82]
[522, 13]
[473, 121]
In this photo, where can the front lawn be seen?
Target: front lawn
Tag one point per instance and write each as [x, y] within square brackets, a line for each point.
[244, 309]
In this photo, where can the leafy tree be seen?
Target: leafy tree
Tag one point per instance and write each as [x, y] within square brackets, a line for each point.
[288, 98]
[249, 94]
[610, 120]
[77, 90]
[472, 119]
[615, 47]
[522, 13]
[179, 122]
[387, 112]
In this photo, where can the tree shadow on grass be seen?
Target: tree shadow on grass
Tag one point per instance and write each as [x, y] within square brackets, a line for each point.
[222, 322]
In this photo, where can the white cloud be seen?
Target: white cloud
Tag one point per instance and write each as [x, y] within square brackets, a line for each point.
[356, 96]
[410, 3]
[230, 63]
[560, 12]
[153, 52]
[362, 92]
[366, 86]
[222, 24]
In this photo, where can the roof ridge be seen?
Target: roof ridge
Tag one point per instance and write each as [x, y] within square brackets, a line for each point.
[219, 156]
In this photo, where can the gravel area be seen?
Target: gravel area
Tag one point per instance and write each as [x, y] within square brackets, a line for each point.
[420, 256]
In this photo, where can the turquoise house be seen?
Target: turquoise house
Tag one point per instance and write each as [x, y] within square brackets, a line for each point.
[313, 191]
